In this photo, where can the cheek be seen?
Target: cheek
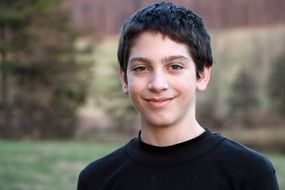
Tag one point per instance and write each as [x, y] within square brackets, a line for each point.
[186, 88]
[185, 83]
[135, 94]
[134, 88]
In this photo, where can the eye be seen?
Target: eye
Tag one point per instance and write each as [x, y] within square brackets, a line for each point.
[176, 67]
[140, 68]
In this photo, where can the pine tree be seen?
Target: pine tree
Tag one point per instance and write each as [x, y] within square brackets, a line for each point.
[276, 87]
[12, 22]
[243, 100]
[47, 82]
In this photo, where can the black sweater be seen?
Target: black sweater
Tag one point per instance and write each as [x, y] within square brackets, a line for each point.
[207, 162]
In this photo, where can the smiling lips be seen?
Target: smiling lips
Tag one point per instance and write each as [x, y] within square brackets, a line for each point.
[158, 102]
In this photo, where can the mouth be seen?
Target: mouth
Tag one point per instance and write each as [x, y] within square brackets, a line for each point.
[159, 102]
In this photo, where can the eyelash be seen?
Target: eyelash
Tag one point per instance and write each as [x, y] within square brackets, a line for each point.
[176, 67]
[172, 67]
[139, 69]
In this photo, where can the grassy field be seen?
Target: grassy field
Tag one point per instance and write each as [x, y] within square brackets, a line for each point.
[45, 165]
[55, 165]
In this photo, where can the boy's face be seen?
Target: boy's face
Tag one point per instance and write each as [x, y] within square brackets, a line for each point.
[161, 80]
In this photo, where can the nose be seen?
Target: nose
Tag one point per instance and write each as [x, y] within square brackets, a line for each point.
[158, 82]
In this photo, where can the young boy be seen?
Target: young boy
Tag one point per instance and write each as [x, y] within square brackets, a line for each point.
[165, 59]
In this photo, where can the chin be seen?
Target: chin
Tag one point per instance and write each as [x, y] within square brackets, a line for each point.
[160, 119]
[163, 123]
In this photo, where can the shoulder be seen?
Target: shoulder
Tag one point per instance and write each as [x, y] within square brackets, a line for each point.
[244, 160]
[102, 168]
[104, 162]
[249, 168]
[235, 149]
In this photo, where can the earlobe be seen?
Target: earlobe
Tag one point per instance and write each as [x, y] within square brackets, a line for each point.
[204, 79]
[125, 88]
[124, 83]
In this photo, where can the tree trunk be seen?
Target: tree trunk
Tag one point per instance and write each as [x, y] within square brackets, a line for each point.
[5, 120]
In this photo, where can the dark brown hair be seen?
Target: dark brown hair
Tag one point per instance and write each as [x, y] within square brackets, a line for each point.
[175, 21]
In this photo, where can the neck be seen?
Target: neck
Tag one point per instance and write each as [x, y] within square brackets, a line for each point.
[170, 135]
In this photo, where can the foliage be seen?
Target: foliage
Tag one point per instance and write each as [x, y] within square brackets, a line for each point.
[276, 90]
[243, 101]
[39, 66]
[105, 95]
[237, 93]
[54, 165]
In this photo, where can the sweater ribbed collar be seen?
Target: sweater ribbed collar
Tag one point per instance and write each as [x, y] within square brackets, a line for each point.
[168, 156]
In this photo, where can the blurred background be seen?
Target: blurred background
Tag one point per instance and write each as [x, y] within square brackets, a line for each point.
[61, 104]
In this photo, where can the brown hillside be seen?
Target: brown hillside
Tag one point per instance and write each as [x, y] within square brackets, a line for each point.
[106, 16]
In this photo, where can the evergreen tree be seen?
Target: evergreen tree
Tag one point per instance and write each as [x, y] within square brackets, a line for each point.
[48, 84]
[276, 87]
[12, 22]
[243, 101]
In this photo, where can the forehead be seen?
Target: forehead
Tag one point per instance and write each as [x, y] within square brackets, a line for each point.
[157, 45]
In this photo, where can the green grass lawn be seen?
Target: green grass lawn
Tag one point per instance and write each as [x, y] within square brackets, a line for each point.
[45, 165]
[56, 165]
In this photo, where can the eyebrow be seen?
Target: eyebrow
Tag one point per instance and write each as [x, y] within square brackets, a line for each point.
[140, 59]
[174, 57]
[164, 60]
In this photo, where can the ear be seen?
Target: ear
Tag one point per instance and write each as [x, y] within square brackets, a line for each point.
[124, 83]
[204, 79]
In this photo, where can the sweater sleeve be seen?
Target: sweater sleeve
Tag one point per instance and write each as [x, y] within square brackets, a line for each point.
[252, 170]
[264, 182]
[80, 184]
